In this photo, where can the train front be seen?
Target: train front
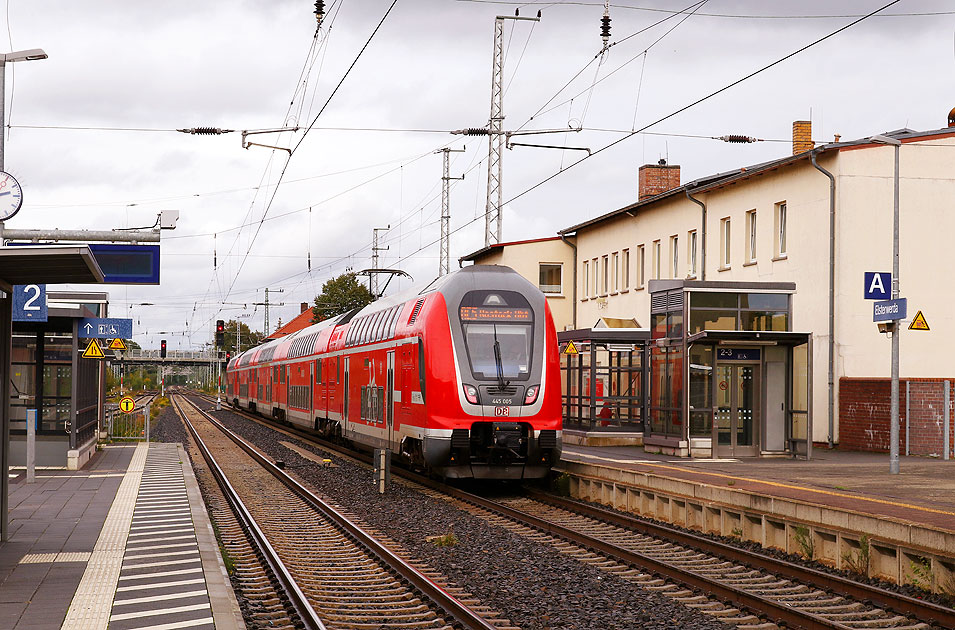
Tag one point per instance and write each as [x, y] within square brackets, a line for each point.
[506, 379]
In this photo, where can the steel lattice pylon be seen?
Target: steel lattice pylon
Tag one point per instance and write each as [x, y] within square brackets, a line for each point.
[495, 139]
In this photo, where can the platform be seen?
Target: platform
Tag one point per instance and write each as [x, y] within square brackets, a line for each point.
[924, 491]
[124, 543]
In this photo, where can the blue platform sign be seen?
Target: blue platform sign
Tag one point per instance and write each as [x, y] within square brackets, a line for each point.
[29, 303]
[890, 310]
[106, 328]
[878, 285]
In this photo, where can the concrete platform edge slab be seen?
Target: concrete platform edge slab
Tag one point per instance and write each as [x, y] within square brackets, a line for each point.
[225, 608]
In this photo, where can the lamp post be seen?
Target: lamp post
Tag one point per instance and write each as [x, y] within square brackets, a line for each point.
[894, 400]
[21, 55]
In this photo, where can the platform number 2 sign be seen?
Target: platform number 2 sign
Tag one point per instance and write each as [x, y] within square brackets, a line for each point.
[29, 303]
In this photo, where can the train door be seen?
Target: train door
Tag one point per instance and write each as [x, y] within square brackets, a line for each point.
[390, 398]
[312, 398]
[345, 396]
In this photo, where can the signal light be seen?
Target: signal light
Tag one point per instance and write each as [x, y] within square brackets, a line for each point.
[220, 333]
[471, 393]
[162, 349]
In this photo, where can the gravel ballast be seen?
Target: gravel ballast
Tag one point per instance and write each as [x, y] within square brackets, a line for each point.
[532, 584]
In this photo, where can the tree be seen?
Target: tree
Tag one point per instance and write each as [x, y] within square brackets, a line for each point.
[247, 338]
[340, 295]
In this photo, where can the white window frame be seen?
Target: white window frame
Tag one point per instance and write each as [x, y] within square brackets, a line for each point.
[560, 287]
[656, 261]
[625, 268]
[726, 233]
[641, 266]
[585, 274]
[779, 229]
[751, 237]
[675, 256]
[691, 238]
[615, 272]
[604, 274]
[595, 289]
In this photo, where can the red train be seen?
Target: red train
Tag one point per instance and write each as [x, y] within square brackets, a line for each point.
[462, 377]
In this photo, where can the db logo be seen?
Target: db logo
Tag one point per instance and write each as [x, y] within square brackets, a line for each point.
[502, 411]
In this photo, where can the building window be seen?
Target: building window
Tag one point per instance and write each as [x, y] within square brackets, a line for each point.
[585, 274]
[751, 236]
[550, 278]
[725, 243]
[641, 266]
[780, 225]
[691, 253]
[625, 268]
[616, 272]
[596, 286]
[655, 271]
[604, 272]
[674, 256]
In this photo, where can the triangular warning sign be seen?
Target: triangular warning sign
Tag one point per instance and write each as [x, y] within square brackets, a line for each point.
[117, 344]
[571, 348]
[93, 351]
[919, 322]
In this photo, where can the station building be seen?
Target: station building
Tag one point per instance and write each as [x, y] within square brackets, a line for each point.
[763, 266]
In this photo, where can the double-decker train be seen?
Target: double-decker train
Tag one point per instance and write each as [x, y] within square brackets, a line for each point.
[461, 378]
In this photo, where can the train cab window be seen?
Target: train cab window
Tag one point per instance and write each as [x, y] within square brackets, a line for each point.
[498, 334]
[318, 370]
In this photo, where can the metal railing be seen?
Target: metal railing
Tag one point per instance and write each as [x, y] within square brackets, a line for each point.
[133, 426]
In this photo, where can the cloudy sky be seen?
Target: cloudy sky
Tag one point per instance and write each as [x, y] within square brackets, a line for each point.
[92, 135]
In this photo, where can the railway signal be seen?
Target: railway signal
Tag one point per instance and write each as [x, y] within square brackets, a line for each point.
[162, 349]
[220, 333]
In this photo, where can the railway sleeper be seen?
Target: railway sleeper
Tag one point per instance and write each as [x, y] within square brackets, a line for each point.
[855, 615]
[888, 622]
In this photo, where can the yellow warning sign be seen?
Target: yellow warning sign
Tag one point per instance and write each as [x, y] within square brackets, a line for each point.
[919, 322]
[93, 351]
[127, 404]
[117, 344]
[571, 348]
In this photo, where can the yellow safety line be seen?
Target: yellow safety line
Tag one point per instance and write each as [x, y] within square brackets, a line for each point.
[792, 487]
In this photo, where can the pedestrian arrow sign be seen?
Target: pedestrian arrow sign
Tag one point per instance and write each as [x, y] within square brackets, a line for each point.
[93, 351]
[117, 344]
[919, 322]
[571, 348]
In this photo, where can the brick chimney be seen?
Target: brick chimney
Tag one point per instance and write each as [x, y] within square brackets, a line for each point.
[304, 308]
[655, 179]
[802, 136]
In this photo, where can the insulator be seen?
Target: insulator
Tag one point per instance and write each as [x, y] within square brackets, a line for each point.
[475, 131]
[605, 27]
[319, 10]
[205, 131]
[738, 138]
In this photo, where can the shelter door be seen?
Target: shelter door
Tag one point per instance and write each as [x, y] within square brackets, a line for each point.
[737, 410]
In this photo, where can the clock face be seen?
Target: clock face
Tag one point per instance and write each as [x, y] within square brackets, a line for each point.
[11, 197]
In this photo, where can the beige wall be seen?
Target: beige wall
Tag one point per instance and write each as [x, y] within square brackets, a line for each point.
[525, 259]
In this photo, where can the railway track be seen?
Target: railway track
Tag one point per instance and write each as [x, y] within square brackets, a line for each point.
[334, 574]
[743, 587]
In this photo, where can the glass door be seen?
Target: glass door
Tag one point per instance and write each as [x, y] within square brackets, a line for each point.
[737, 410]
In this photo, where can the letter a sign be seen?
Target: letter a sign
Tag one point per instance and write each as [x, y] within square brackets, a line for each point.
[878, 285]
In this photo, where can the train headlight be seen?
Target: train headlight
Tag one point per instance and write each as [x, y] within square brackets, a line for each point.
[531, 395]
[471, 393]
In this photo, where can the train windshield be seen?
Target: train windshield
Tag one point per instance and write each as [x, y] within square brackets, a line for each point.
[498, 332]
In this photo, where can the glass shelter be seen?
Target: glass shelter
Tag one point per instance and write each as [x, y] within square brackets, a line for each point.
[604, 378]
[728, 377]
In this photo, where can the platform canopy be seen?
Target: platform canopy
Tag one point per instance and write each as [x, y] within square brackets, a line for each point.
[48, 265]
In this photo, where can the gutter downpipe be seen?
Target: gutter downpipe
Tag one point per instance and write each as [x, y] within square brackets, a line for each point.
[573, 247]
[703, 222]
[832, 294]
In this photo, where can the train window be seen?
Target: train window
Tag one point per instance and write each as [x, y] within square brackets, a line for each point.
[372, 327]
[275, 374]
[379, 325]
[393, 327]
[338, 369]
[360, 336]
[282, 374]
[318, 370]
